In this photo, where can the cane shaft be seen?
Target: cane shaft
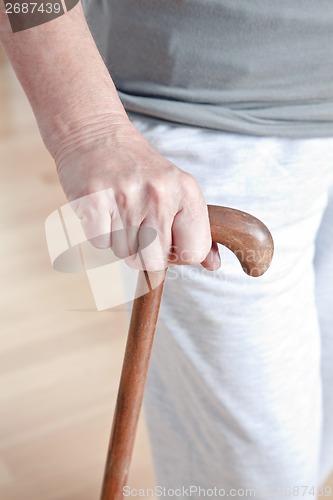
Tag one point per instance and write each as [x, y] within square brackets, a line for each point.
[252, 243]
[131, 388]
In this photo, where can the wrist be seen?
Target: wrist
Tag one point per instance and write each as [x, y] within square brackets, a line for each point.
[74, 121]
[83, 134]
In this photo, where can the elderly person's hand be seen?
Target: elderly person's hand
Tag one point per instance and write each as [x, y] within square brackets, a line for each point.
[136, 188]
[97, 149]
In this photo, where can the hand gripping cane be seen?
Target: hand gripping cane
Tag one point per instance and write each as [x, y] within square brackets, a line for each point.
[252, 243]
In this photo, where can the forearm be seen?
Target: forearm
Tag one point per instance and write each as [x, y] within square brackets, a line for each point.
[63, 75]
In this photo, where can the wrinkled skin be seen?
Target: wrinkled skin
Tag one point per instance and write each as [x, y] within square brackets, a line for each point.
[135, 188]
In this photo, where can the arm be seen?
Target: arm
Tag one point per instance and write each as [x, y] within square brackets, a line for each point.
[62, 73]
[97, 149]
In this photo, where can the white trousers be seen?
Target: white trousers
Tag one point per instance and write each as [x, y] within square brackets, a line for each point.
[239, 392]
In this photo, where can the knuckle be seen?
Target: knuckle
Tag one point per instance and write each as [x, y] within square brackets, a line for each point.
[89, 206]
[127, 190]
[150, 265]
[190, 185]
[101, 242]
[156, 189]
[186, 256]
[121, 253]
[194, 255]
[134, 262]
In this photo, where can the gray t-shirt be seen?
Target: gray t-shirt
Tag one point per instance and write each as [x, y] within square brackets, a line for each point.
[262, 67]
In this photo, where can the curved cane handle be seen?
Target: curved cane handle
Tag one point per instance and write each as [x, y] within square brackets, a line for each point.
[246, 236]
[252, 243]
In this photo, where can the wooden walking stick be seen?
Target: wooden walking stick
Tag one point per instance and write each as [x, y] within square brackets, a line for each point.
[252, 243]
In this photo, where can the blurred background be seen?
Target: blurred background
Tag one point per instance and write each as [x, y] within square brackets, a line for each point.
[60, 359]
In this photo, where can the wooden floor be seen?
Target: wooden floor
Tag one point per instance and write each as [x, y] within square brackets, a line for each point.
[60, 360]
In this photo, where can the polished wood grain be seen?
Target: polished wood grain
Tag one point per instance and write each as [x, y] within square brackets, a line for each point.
[132, 383]
[250, 240]
[245, 235]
